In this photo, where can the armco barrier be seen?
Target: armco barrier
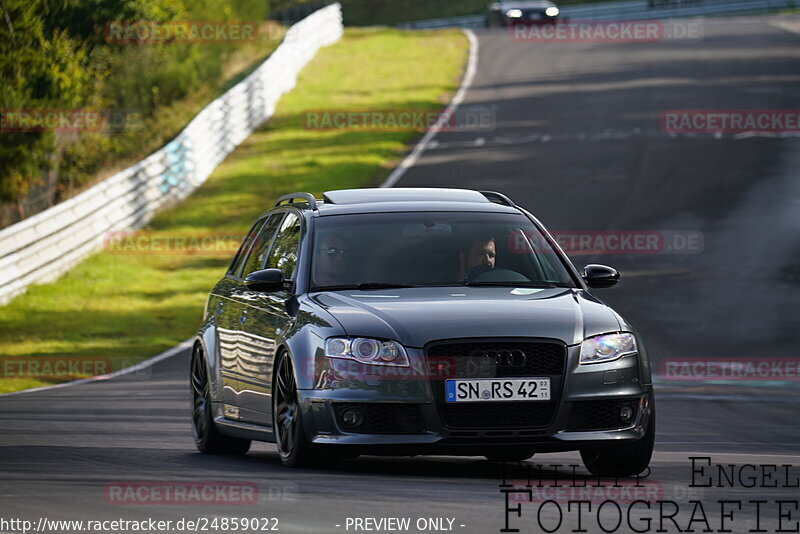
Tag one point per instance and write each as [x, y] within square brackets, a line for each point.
[43, 247]
[630, 10]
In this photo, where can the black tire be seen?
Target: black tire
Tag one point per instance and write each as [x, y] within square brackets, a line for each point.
[623, 461]
[207, 437]
[293, 447]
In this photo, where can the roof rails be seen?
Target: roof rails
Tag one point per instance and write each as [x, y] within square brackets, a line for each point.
[308, 197]
[498, 198]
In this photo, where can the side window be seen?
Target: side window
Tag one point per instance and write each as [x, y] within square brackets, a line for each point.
[238, 260]
[285, 249]
[258, 254]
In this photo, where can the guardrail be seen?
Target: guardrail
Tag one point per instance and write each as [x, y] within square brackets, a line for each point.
[41, 248]
[630, 10]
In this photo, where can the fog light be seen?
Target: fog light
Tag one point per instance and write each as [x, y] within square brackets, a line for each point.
[626, 413]
[352, 418]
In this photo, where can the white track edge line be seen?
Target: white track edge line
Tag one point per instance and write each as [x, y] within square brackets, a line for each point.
[469, 76]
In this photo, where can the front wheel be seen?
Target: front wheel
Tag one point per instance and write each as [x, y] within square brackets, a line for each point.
[206, 436]
[625, 460]
[293, 447]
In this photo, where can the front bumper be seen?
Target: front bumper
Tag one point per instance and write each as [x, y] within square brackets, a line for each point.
[597, 387]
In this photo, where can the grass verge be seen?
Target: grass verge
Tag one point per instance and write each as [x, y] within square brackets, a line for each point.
[122, 308]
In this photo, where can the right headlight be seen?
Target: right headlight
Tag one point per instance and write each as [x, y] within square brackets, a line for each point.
[366, 350]
[607, 348]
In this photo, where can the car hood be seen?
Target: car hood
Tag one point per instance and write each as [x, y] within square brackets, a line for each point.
[416, 316]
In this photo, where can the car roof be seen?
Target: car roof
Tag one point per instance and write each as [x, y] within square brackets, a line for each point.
[404, 199]
[527, 4]
[411, 199]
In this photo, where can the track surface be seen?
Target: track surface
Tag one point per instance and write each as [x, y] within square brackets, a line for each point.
[605, 166]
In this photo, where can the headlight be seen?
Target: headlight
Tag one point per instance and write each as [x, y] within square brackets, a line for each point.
[367, 350]
[607, 348]
[551, 12]
[514, 13]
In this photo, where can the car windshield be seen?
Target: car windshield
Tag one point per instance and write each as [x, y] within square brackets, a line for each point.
[389, 250]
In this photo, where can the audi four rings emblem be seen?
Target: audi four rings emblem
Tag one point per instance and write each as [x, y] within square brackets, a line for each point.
[501, 358]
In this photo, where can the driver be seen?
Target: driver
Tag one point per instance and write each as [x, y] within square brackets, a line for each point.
[330, 263]
[478, 256]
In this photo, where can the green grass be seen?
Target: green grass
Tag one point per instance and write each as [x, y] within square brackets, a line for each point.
[128, 307]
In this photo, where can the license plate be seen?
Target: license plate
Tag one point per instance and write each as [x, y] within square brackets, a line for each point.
[497, 389]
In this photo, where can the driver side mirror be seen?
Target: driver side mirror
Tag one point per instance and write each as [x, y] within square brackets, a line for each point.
[600, 276]
[265, 280]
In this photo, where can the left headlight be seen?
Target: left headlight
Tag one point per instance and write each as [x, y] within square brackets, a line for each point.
[366, 350]
[551, 11]
[607, 348]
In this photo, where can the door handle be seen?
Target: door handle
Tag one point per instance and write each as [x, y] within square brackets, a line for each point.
[243, 318]
[219, 308]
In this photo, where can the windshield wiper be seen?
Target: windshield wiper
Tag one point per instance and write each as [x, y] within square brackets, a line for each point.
[542, 285]
[364, 286]
[382, 285]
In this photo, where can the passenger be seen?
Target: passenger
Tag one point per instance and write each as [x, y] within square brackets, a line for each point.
[331, 263]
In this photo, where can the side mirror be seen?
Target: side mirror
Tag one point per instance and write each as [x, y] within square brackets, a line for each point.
[600, 276]
[265, 280]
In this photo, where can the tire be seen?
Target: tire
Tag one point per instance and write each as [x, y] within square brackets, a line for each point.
[207, 437]
[293, 447]
[622, 461]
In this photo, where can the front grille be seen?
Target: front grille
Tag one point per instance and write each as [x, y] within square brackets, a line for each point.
[383, 418]
[496, 359]
[599, 415]
[500, 359]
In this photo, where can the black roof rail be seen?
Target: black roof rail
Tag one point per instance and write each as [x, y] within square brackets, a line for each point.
[498, 198]
[308, 197]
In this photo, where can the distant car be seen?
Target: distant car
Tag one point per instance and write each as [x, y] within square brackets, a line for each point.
[417, 321]
[501, 14]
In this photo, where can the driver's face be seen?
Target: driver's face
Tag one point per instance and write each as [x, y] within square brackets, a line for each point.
[481, 254]
[331, 256]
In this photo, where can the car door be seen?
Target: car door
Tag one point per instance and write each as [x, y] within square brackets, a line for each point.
[267, 316]
[256, 336]
[227, 310]
[235, 362]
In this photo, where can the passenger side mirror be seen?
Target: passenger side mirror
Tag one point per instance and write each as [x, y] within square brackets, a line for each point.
[265, 280]
[600, 276]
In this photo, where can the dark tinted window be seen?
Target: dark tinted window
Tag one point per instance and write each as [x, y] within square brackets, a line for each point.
[258, 254]
[238, 261]
[434, 249]
[284, 251]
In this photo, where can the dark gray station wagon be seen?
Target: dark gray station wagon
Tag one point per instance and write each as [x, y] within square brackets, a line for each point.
[417, 321]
